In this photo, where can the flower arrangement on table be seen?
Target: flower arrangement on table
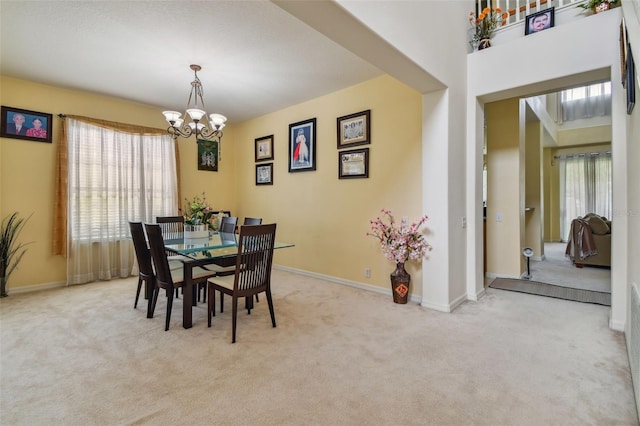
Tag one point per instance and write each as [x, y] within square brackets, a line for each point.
[197, 211]
[485, 24]
[402, 242]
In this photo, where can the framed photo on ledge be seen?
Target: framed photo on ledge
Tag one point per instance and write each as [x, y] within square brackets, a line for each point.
[353, 164]
[354, 129]
[24, 124]
[302, 146]
[264, 174]
[539, 21]
[264, 148]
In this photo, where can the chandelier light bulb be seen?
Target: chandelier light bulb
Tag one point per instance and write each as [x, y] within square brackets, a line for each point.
[196, 114]
[172, 116]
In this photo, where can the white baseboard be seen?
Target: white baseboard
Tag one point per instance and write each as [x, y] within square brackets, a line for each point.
[412, 298]
[36, 287]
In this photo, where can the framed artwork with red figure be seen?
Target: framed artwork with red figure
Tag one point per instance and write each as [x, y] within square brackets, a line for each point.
[302, 146]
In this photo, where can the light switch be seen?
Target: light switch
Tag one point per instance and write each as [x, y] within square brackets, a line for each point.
[499, 217]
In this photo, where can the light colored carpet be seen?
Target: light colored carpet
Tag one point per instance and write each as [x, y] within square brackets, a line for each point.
[339, 356]
[557, 269]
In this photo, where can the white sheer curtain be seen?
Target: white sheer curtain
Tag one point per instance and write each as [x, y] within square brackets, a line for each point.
[114, 177]
[586, 102]
[585, 187]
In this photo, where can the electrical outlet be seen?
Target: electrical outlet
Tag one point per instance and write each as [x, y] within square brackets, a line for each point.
[367, 273]
[464, 221]
[499, 217]
[405, 220]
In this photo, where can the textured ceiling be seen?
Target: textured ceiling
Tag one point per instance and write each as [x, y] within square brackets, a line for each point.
[255, 57]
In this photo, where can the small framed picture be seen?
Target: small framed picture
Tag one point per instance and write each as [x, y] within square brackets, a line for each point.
[539, 21]
[302, 146]
[623, 52]
[264, 148]
[208, 155]
[354, 129]
[631, 81]
[24, 124]
[353, 164]
[264, 174]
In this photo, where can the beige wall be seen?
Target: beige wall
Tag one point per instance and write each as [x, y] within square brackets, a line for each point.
[325, 217]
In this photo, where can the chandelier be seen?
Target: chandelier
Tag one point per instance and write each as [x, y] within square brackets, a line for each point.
[197, 126]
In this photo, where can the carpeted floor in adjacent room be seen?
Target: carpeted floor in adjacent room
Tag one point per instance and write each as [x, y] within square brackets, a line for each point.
[339, 356]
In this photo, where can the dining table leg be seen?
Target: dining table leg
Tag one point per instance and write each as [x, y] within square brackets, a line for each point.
[187, 297]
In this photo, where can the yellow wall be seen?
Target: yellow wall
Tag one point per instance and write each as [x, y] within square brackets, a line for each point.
[503, 188]
[325, 217]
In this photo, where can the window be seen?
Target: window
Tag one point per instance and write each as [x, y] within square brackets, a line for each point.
[113, 177]
[585, 187]
[586, 102]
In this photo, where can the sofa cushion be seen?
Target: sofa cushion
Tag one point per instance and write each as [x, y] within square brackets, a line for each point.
[597, 225]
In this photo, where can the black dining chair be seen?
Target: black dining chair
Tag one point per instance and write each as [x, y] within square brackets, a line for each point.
[145, 267]
[167, 278]
[143, 256]
[171, 226]
[252, 221]
[252, 273]
[228, 224]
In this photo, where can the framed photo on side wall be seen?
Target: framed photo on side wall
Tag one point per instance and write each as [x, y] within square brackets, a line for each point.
[539, 21]
[302, 146]
[264, 174]
[354, 129]
[24, 124]
[631, 81]
[264, 148]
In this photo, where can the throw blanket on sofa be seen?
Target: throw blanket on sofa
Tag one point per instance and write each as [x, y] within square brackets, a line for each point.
[581, 231]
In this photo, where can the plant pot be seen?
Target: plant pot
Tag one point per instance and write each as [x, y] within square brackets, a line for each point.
[484, 43]
[602, 7]
[400, 280]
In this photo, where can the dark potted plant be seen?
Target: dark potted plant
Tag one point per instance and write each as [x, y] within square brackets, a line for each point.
[597, 6]
[11, 251]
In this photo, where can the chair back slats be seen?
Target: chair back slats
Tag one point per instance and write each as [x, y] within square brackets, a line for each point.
[228, 224]
[255, 257]
[158, 254]
[171, 226]
[142, 251]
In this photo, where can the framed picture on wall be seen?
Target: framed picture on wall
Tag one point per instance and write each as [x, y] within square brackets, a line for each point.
[264, 148]
[208, 155]
[24, 124]
[631, 81]
[539, 21]
[353, 164]
[264, 174]
[354, 129]
[302, 146]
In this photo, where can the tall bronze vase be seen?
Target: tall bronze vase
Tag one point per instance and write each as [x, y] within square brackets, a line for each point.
[400, 280]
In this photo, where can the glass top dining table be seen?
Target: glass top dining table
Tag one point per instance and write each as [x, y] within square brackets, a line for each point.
[201, 252]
